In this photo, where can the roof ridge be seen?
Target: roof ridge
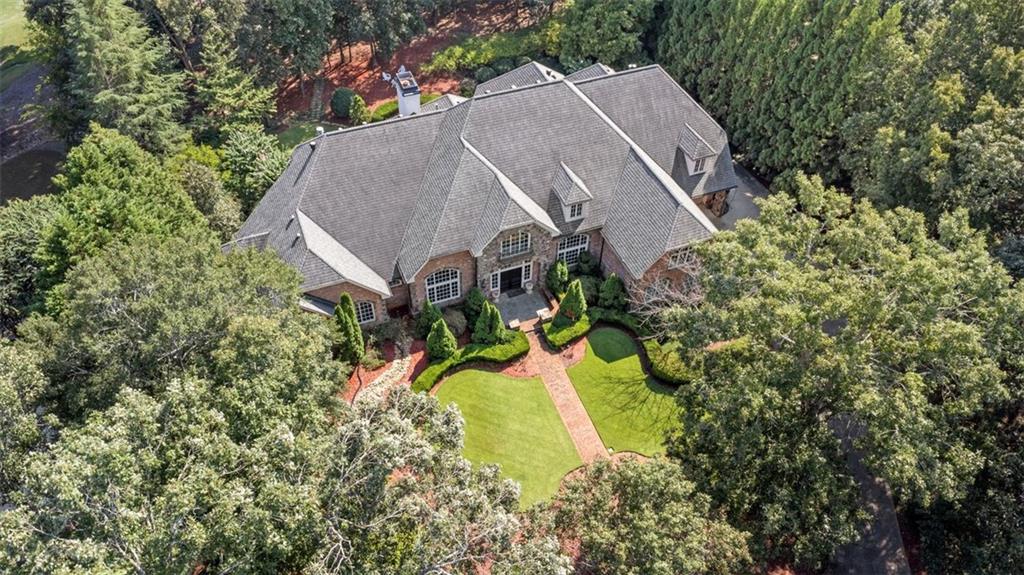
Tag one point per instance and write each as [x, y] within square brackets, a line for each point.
[694, 101]
[682, 199]
[368, 125]
[616, 73]
[545, 221]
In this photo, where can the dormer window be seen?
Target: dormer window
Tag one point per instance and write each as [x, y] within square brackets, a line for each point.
[698, 165]
[576, 211]
[572, 193]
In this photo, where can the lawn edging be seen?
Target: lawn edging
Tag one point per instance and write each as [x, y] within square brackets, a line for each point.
[660, 360]
[491, 353]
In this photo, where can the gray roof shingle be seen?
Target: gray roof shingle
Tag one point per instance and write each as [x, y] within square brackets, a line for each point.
[525, 75]
[401, 192]
[592, 71]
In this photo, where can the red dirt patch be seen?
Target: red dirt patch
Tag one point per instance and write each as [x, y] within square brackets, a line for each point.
[418, 360]
[574, 353]
[361, 377]
[363, 75]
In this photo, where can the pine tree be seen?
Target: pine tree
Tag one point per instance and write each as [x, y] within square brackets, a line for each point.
[613, 293]
[226, 94]
[441, 343]
[573, 304]
[349, 335]
[474, 303]
[558, 277]
[425, 321]
[119, 75]
[489, 327]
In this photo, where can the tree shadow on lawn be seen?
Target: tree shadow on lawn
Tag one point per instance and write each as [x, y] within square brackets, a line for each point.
[650, 404]
[611, 349]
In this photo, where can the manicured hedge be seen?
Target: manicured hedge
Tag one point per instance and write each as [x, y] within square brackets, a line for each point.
[666, 363]
[617, 317]
[498, 353]
[562, 336]
[389, 109]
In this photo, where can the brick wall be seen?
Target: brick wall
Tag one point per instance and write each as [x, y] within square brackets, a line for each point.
[659, 271]
[333, 294]
[463, 261]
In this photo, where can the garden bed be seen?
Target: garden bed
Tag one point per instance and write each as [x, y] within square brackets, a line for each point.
[496, 353]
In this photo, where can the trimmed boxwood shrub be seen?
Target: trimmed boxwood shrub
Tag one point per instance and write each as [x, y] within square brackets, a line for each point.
[341, 102]
[667, 364]
[573, 306]
[617, 317]
[485, 73]
[516, 347]
[503, 65]
[561, 335]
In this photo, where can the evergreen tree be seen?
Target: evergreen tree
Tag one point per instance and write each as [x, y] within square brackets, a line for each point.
[252, 160]
[489, 327]
[23, 224]
[358, 113]
[425, 321]
[607, 31]
[226, 94]
[119, 75]
[474, 303]
[558, 278]
[441, 343]
[349, 335]
[613, 293]
[573, 304]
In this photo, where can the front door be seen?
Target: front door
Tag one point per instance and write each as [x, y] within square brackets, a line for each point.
[511, 279]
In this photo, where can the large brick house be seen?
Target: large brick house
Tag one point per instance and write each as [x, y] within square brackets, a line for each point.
[489, 191]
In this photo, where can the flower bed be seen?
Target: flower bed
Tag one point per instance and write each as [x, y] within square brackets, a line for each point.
[496, 353]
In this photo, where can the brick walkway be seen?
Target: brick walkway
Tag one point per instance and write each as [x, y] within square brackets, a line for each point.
[584, 435]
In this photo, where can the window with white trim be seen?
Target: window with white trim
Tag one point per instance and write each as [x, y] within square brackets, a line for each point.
[443, 285]
[527, 270]
[684, 258]
[570, 248]
[495, 280]
[698, 165]
[365, 312]
[576, 211]
[515, 243]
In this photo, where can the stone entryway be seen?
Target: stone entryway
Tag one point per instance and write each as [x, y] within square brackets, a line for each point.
[521, 306]
[574, 415]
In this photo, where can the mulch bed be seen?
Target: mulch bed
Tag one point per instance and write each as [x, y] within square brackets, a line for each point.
[362, 377]
[574, 354]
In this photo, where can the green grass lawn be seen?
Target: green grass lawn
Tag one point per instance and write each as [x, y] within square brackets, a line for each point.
[12, 23]
[512, 422]
[631, 411]
[299, 132]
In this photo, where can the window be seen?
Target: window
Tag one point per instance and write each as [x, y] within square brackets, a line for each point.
[365, 312]
[515, 244]
[698, 165]
[683, 258]
[527, 270]
[495, 281]
[570, 247]
[443, 285]
[657, 291]
[395, 282]
[576, 211]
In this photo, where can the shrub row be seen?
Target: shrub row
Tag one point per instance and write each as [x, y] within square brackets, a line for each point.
[667, 364]
[562, 335]
[496, 353]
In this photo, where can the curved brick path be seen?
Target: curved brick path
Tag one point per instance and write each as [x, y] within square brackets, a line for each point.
[584, 435]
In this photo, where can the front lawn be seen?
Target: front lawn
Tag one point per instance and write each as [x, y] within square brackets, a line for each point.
[630, 409]
[512, 422]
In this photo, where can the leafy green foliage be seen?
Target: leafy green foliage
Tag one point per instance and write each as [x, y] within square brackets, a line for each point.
[560, 335]
[440, 342]
[476, 51]
[358, 113]
[252, 160]
[21, 386]
[515, 347]
[349, 336]
[113, 191]
[489, 327]
[203, 184]
[613, 293]
[118, 75]
[591, 287]
[667, 362]
[474, 303]
[425, 321]
[282, 38]
[607, 31]
[226, 93]
[636, 517]
[557, 278]
[1011, 253]
[841, 316]
[587, 265]
[573, 306]
[484, 74]
[23, 225]
[341, 102]
[456, 321]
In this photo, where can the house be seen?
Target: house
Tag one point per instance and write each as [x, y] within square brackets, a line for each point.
[489, 191]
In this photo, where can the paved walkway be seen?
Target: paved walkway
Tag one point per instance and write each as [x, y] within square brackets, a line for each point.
[584, 435]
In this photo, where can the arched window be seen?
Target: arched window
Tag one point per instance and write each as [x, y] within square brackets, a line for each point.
[443, 285]
[365, 312]
[570, 247]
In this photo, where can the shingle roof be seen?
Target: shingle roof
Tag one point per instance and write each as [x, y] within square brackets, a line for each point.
[443, 103]
[569, 187]
[401, 192]
[592, 71]
[525, 75]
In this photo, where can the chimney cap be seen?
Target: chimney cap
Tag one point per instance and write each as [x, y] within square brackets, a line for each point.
[319, 130]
